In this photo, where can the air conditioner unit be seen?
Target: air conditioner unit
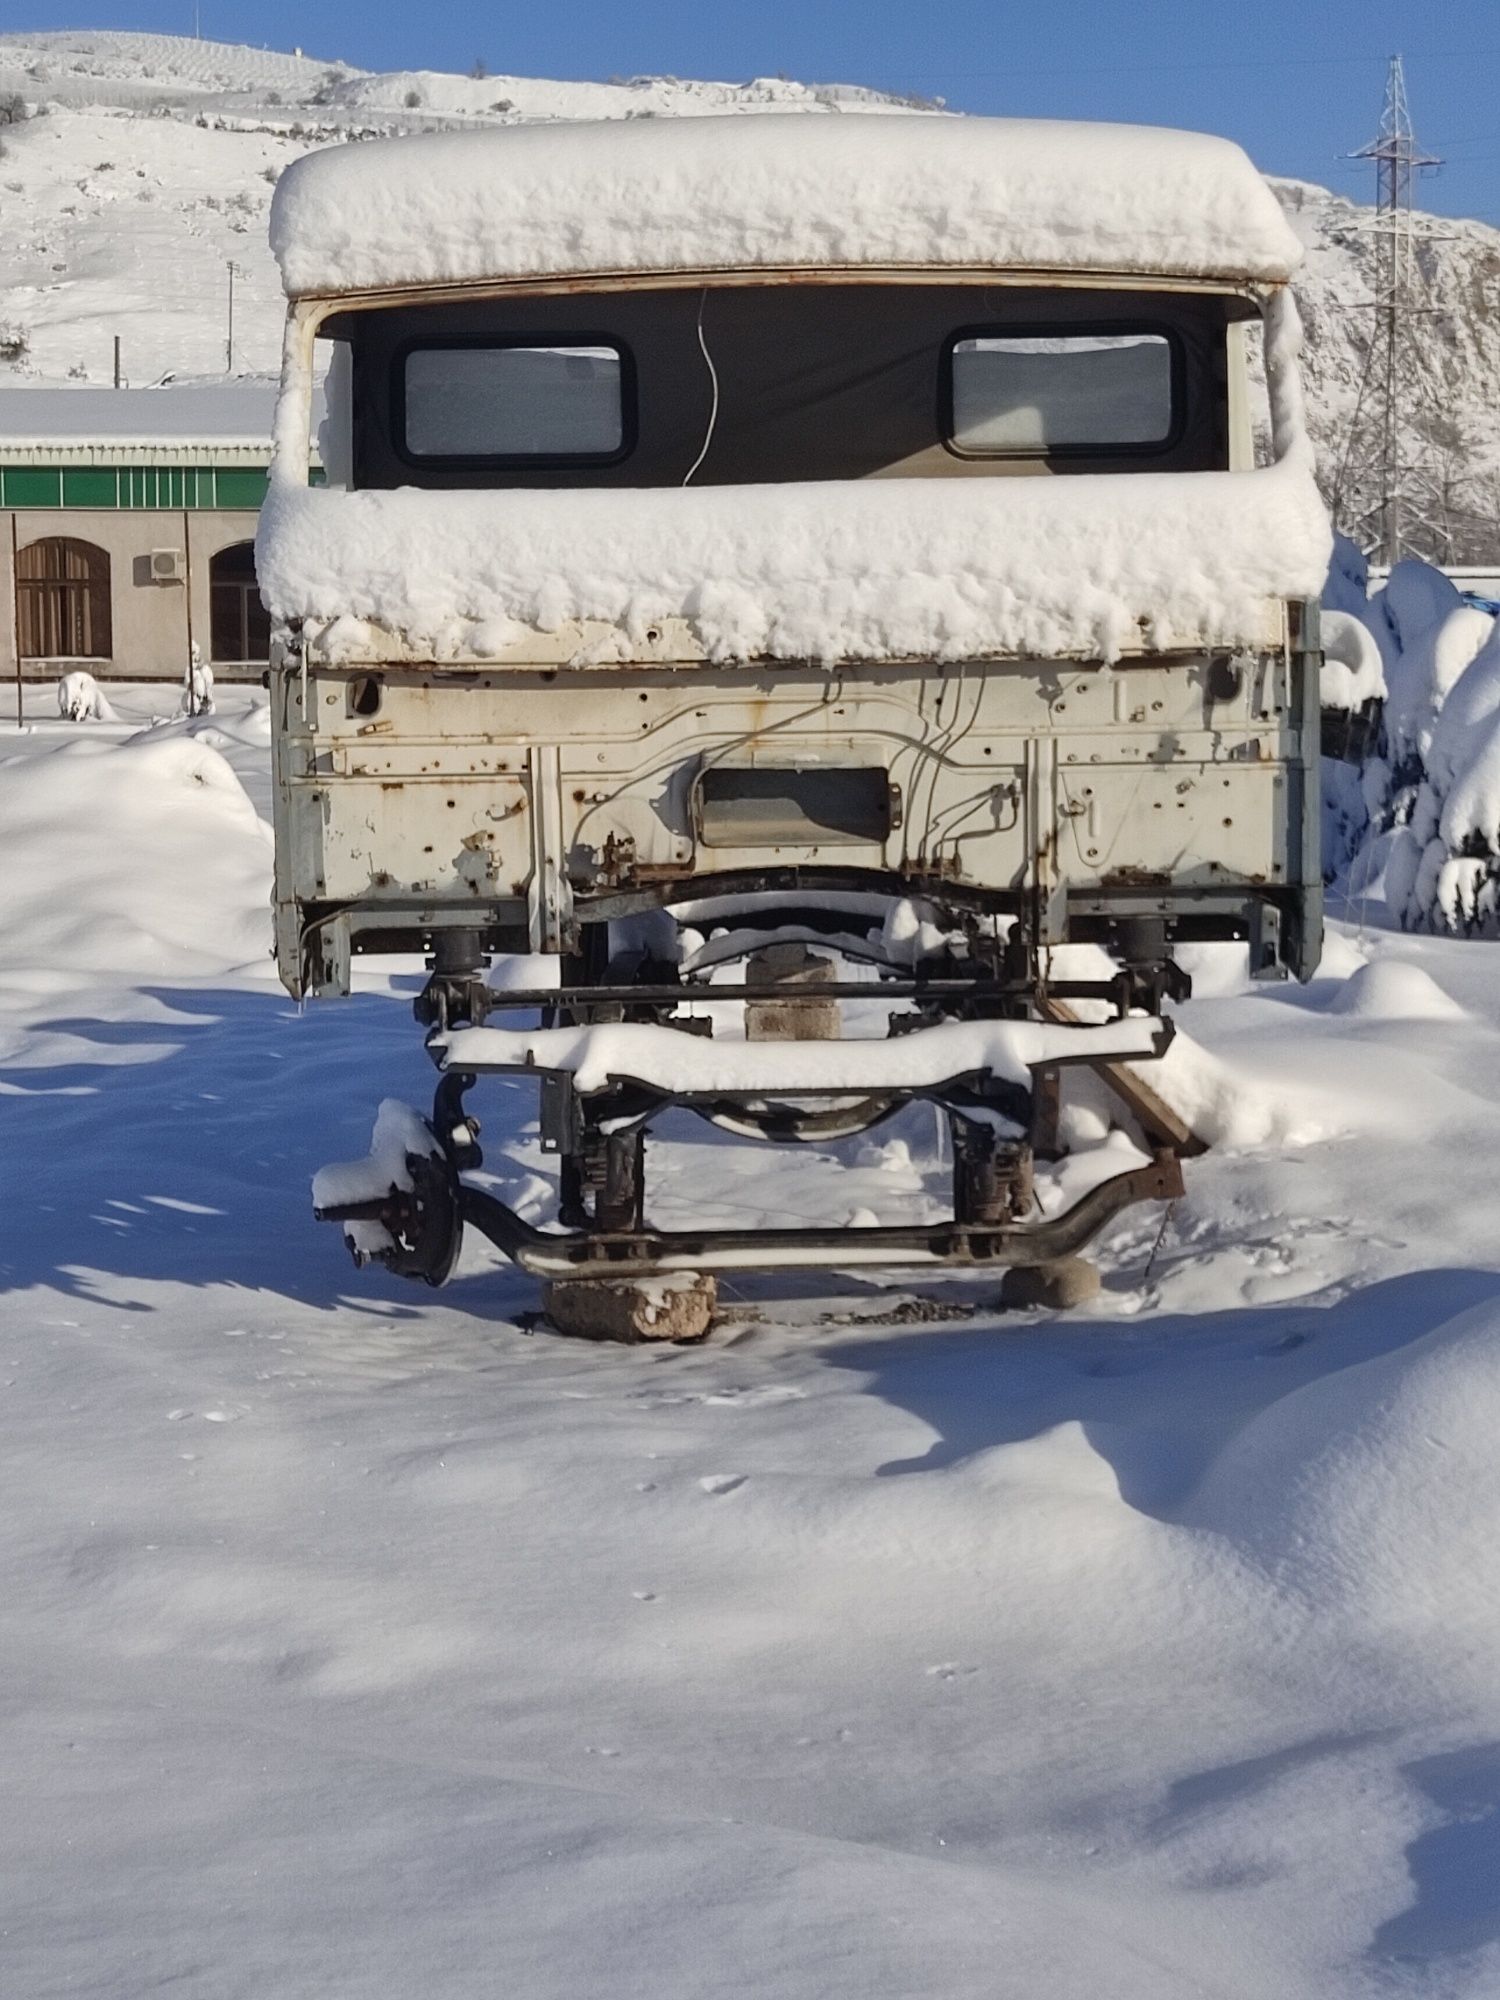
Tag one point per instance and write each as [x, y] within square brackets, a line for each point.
[167, 566]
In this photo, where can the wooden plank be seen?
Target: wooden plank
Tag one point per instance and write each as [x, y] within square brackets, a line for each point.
[1156, 1118]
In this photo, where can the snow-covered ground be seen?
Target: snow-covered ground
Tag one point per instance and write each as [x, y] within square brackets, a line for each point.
[362, 1639]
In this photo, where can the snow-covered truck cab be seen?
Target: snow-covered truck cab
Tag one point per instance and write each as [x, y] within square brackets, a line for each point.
[803, 577]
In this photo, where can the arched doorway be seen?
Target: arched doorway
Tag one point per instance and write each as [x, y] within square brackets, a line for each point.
[239, 626]
[62, 600]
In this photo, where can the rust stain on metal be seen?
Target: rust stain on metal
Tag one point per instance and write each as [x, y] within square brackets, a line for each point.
[1136, 878]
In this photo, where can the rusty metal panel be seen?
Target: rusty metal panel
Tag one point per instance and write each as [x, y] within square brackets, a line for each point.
[465, 792]
[598, 647]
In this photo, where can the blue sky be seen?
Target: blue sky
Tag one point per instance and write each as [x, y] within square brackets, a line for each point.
[1298, 82]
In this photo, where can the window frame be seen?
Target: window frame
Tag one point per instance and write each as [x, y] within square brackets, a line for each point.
[547, 461]
[83, 604]
[1067, 330]
[245, 589]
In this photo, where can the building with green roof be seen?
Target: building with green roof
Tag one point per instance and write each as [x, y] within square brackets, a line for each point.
[127, 529]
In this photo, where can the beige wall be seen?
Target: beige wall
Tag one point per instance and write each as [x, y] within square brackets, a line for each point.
[152, 622]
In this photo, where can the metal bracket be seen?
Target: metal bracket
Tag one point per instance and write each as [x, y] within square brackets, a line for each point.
[549, 898]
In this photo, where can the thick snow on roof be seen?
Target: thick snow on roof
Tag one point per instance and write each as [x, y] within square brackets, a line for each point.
[1092, 566]
[238, 412]
[726, 193]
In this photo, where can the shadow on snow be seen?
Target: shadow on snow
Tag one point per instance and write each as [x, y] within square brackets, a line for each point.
[184, 1153]
[1157, 1398]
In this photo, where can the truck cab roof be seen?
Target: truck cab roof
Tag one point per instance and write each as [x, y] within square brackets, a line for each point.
[805, 194]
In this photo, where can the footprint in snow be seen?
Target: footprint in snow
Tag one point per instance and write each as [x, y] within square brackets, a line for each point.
[1287, 1344]
[724, 1482]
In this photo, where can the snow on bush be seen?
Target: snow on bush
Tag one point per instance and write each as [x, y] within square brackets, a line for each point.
[81, 699]
[1432, 780]
[1353, 670]
[1437, 635]
[1358, 647]
[197, 685]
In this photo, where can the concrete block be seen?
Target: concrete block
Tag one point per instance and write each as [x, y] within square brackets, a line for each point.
[679, 1306]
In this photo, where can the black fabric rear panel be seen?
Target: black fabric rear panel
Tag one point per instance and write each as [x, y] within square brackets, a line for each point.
[815, 381]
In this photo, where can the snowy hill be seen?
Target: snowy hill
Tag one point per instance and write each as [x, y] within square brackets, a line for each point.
[154, 164]
[154, 168]
[1461, 266]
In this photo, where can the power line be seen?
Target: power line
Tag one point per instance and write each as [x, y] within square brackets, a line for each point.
[1393, 490]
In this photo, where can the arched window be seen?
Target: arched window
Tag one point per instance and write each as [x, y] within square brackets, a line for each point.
[62, 600]
[239, 627]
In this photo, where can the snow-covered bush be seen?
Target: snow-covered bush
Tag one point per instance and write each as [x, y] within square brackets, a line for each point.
[198, 686]
[1436, 636]
[81, 699]
[1428, 788]
[1443, 871]
[15, 340]
[1353, 670]
[1356, 649]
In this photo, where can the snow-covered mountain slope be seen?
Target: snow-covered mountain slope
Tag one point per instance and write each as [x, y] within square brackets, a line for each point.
[1460, 264]
[154, 168]
[89, 67]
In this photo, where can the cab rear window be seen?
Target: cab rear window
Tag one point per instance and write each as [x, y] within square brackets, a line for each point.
[532, 403]
[1016, 392]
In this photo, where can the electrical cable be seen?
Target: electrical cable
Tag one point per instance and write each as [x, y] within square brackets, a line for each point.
[713, 376]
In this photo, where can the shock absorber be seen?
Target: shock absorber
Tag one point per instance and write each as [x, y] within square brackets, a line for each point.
[455, 987]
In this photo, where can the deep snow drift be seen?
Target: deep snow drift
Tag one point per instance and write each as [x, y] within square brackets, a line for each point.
[360, 1640]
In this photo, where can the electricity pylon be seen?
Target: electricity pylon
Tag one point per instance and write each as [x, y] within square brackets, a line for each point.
[1393, 486]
